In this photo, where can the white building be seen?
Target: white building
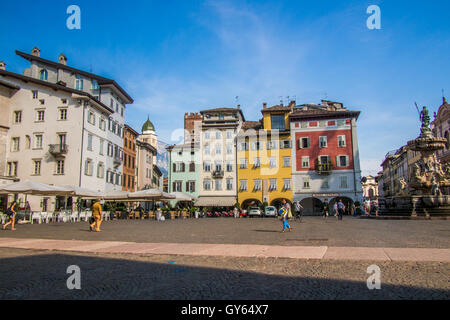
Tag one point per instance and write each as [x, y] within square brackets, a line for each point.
[65, 127]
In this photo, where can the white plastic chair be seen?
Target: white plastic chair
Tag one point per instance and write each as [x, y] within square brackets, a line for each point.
[105, 215]
[45, 216]
[82, 216]
[74, 216]
[36, 215]
[4, 217]
[88, 215]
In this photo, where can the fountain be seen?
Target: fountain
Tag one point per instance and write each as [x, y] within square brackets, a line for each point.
[421, 195]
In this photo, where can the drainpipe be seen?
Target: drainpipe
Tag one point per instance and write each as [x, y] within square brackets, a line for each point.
[82, 146]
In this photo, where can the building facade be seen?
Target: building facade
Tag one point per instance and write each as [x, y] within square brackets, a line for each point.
[61, 131]
[441, 129]
[192, 125]
[184, 169]
[325, 156]
[370, 187]
[129, 159]
[218, 172]
[264, 159]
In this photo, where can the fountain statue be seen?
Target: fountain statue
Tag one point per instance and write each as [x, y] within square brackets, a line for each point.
[422, 193]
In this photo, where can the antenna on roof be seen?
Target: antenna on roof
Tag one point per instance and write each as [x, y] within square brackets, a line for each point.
[237, 100]
[281, 100]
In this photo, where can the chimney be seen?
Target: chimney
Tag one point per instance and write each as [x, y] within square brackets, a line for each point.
[62, 59]
[264, 105]
[239, 106]
[36, 52]
[292, 105]
[2, 65]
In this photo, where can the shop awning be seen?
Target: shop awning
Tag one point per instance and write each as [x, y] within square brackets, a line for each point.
[215, 202]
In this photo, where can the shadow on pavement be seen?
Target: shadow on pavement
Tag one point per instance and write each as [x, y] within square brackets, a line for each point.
[43, 276]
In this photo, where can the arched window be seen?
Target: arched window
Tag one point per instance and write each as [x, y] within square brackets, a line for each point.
[43, 75]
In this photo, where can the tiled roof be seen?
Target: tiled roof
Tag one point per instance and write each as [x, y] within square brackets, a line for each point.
[277, 108]
[251, 125]
[322, 113]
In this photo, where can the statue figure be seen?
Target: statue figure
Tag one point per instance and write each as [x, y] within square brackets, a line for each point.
[425, 119]
[435, 190]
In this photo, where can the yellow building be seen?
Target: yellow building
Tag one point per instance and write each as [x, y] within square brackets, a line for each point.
[264, 158]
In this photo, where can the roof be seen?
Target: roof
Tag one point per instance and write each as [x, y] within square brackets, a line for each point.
[100, 80]
[53, 86]
[224, 110]
[9, 85]
[148, 125]
[251, 125]
[157, 170]
[131, 129]
[146, 145]
[180, 146]
[300, 114]
[277, 108]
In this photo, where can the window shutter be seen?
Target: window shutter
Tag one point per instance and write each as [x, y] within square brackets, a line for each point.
[174, 167]
[173, 186]
[187, 186]
[347, 160]
[182, 167]
[193, 186]
[337, 162]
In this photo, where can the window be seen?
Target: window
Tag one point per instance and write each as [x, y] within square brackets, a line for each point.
[91, 117]
[190, 186]
[272, 162]
[340, 123]
[60, 167]
[38, 141]
[89, 142]
[272, 145]
[207, 166]
[88, 167]
[322, 142]
[102, 124]
[243, 146]
[17, 117]
[100, 170]
[100, 151]
[62, 114]
[305, 162]
[273, 184]
[35, 94]
[43, 75]
[27, 142]
[62, 139]
[342, 161]
[177, 186]
[287, 184]
[207, 150]
[243, 185]
[285, 144]
[229, 184]
[256, 146]
[40, 115]
[343, 182]
[243, 163]
[78, 82]
[341, 141]
[12, 168]
[37, 167]
[229, 166]
[257, 162]
[257, 185]
[94, 85]
[218, 166]
[286, 162]
[230, 134]
[325, 184]
[206, 135]
[121, 112]
[304, 143]
[207, 184]
[118, 179]
[306, 183]
[192, 167]
[179, 167]
[218, 135]
[277, 122]
[229, 148]
[15, 144]
[218, 149]
[111, 103]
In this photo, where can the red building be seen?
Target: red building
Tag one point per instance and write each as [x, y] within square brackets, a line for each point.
[326, 156]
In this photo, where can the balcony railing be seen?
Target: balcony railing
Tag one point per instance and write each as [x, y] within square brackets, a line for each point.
[324, 168]
[217, 174]
[58, 149]
[117, 160]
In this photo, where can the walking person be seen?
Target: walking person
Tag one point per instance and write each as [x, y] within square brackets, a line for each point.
[96, 215]
[284, 218]
[325, 209]
[236, 212]
[341, 209]
[335, 209]
[11, 212]
[298, 210]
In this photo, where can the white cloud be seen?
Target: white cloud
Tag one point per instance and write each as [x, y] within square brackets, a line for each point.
[370, 166]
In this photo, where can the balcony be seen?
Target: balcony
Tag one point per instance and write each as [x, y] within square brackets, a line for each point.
[117, 161]
[324, 168]
[58, 149]
[217, 174]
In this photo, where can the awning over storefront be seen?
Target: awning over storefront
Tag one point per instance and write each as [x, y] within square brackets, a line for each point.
[215, 202]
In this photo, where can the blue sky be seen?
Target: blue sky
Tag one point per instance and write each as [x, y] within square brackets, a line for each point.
[185, 56]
